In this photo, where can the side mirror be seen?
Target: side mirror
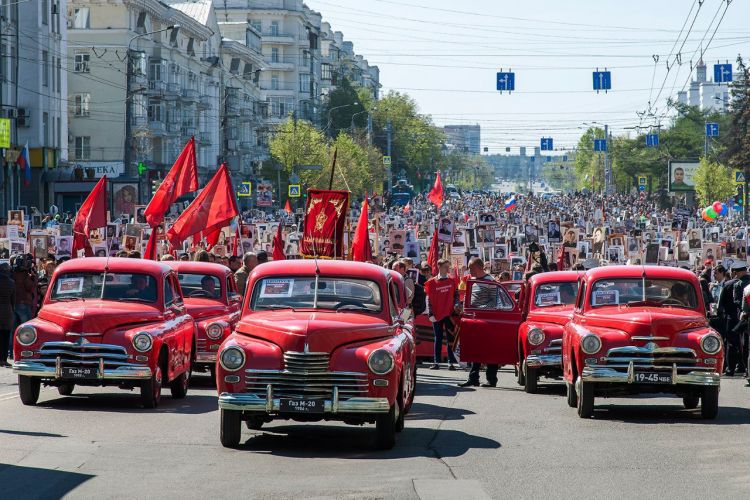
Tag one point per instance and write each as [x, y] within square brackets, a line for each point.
[405, 316]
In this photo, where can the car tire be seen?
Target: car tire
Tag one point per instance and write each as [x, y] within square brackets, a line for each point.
[65, 389]
[571, 395]
[179, 386]
[231, 428]
[254, 423]
[710, 403]
[151, 389]
[530, 380]
[585, 399]
[690, 402]
[212, 371]
[520, 378]
[385, 429]
[28, 389]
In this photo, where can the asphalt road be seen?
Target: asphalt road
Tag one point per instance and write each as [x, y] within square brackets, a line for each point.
[458, 444]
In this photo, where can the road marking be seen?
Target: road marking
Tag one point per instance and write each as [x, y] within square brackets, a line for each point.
[8, 397]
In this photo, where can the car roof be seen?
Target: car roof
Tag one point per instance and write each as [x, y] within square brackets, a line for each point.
[653, 272]
[555, 276]
[114, 264]
[198, 267]
[327, 267]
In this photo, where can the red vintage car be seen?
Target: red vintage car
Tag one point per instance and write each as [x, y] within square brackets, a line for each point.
[641, 330]
[212, 300]
[547, 308]
[107, 322]
[325, 340]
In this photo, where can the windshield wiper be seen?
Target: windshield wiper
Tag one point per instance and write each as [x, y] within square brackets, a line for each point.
[135, 299]
[273, 307]
[352, 307]
[68, 299]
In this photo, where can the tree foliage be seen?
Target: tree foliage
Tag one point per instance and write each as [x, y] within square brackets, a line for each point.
[713, 182]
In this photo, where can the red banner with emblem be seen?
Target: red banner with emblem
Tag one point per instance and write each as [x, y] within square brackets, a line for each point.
[325, 216]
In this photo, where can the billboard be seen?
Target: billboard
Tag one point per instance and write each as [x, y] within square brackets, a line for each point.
[681, 175]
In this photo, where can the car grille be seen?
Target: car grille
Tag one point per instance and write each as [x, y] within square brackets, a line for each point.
[657, 358]
[555, 347]
[74, 354]
[306, 376]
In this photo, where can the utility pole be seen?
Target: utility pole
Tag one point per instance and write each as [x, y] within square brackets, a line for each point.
[388, 173]
[607, 168]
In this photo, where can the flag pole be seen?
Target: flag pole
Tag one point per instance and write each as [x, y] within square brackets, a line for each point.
[333, 168]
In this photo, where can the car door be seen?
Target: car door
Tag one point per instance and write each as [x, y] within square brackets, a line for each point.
[489, 324]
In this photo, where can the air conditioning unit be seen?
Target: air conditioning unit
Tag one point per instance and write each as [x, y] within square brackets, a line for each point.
[24, 118]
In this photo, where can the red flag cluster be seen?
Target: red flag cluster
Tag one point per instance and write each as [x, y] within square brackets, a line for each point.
[361, 250]
[91, 215]
[436, 193]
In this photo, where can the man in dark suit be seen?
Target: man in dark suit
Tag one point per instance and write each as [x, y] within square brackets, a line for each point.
[7, 306]
[739, 270]
[728, 310]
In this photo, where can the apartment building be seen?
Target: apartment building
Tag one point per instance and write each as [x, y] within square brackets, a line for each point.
[338, 61]
[705, 94]
[464, 138]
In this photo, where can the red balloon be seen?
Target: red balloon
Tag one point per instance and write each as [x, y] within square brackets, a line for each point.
[716, 206]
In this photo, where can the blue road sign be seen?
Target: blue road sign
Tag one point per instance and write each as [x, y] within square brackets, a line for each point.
[652, 140]
[739, 176]
[641, 188]
[602, 80]
[565, 157]
[547, 144]
[506, 80]
[722, 73]
[712, 129]
[600, 144]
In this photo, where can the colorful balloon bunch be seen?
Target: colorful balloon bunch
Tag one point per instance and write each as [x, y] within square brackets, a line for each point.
[716, 209]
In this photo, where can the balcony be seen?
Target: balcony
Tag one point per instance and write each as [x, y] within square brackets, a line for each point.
[189, 131]
[157, 127]
[156, 88]
[246, 114]
[279, 38]
[138, 122]
[138, 80]
[246, 146]
[282, 63]
[205, 101]
[174, 129]
[205, 138]
[172, 92]
[281, 88]
[190, 95]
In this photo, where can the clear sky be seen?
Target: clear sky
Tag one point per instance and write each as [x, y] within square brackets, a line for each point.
[445, 54]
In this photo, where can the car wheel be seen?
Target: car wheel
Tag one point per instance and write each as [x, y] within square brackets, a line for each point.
[531, 378]
[231, 429]
[65, 389]
[519, 374]
[179, 386]
[710, 403]
[212, 371]
[401, 414]
[28, 389]
[571, 394]
[690, 402]
[385, 429]
[254, 424]
[151, 389]
[585, 399]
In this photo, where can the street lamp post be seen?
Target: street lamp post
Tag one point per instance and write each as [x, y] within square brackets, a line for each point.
[128, 91]
[328, 123]
[351, 127]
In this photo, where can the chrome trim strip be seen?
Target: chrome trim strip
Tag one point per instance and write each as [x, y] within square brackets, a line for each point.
[648, 359]
[649, 351]
[335, 403]
[35, 369]
[631, 373]
[84, 346]
[674, 373]
[647, 338]
[100, 372]
[600, 374]
[536, 361]
[269, 398]
[58, 368]
[205, 357]
[253, 403]
[649, 365]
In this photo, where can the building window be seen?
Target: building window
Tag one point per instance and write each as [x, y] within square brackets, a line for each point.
[45, 68]
[234, 66]
[45, 128]
[83, 147]
[274, 82]
[304, 83]
[45, 12]
[325, 71]
[274, 28]
[81, 18]
[155, 112]
[81, 104]
[81, 62]
[155, 72]
[274, 55]
[256, 24]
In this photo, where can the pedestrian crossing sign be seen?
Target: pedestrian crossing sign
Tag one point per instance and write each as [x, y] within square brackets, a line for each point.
[642, 181]
[246, 189]
[294, 190]
[739, 177]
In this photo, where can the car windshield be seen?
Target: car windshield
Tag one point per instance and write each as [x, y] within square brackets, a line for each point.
[556, 294]
[200, 285]
[134, 287]
[644, 291]
[298, 292]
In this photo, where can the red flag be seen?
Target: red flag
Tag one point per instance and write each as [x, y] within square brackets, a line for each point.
[287, 207]
[432, 257]
[361, 250]
[278, 245]
[212, 238]
[436, 193]
[181, 179]
[213, 208]
[91, 215]
[325, 217]
[237, 236]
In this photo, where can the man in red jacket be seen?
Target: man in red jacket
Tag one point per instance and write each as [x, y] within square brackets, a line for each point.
[442, 301]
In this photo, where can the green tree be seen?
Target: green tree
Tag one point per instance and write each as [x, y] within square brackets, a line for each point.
[342, 108]
[713, 182]
[737, 153]
[297, 142]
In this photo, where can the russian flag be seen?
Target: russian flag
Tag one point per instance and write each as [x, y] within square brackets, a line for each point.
[24, 162]
[510, 203]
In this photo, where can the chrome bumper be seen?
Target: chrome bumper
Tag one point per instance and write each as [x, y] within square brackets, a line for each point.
[34, 369]
[253, 402]
[205, 357]
[538, 361]
[612, 376]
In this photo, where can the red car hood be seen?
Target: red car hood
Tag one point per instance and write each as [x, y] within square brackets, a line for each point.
[647, 321]
[200, 308]
[97, 316]
[558, 315]
[320, 331]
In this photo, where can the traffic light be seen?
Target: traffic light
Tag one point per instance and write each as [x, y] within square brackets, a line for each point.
[739, 197]
[141, 168]
[155, 183]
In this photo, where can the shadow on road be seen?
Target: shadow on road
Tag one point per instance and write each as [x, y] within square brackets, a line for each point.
[670, 414]
[32, 434]
[130, 403]
[425, 411]
[32, 482]
[356, 443]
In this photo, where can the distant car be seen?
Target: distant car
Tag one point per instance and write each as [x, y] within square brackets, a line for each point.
[212, 300]
[641, 330]
[107, 322]
[547, 308]
[325, 340]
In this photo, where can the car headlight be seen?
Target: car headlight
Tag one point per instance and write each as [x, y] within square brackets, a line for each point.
[380, 362]
[590, 344]
[711, 344]
[535, 336]
[215, 331]
[26, 335]
[232, 358]
[142, 341]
